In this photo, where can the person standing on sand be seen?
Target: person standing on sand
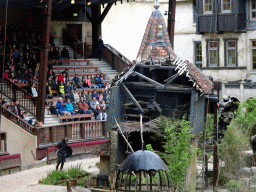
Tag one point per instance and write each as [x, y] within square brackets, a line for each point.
[63, 151]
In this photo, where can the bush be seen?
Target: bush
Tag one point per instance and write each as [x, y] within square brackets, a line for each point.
[246, 115]
[230, 151]
[178, 152]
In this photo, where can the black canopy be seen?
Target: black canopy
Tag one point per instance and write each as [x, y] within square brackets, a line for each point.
[143, 160]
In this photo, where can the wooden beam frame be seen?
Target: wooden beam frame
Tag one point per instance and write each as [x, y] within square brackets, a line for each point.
[129, 94]
[148, 79]
[88, 16]
[105, 12]
[171, 79]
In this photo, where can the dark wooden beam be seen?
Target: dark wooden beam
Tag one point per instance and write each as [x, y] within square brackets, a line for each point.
[88, 16]
[44, 62]
[171, 79]
[105, 12]
[129, 94]
[147, 79]
[96, 25]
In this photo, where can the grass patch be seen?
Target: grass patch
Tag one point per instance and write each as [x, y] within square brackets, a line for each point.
[60, 177]
[54, 177]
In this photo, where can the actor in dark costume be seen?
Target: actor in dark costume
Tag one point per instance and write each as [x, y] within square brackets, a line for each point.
[99, 49]
[227, 108]
[63, 151]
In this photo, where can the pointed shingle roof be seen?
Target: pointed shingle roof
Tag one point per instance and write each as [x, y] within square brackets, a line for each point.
[146, 50]
[164, 55]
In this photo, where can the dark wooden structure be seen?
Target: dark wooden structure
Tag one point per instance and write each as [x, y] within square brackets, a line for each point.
[218, 20]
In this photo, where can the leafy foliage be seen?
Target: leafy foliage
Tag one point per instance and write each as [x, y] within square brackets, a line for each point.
[246, 115]
[177, 149]
[60, 176]
[54, 177]
[234, 142]
[76, 171]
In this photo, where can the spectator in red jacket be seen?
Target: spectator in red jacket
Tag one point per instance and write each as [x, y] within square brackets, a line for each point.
[60, 78]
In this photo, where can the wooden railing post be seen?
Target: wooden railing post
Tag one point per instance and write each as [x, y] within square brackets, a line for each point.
[51, 134]
[81, 133]
[85, 50]
[75, 51]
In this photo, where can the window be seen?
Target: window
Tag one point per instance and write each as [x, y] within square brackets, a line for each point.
[231, 60]
[254, 54]
[194, 11]
[226, 5]
[198, 54]
[208, 7]
[213, 53]
[253, 9]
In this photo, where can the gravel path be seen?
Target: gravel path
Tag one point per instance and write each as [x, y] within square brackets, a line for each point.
[27, 181]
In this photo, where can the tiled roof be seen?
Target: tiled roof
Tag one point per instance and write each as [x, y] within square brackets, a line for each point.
[164, 56]
[147, 52]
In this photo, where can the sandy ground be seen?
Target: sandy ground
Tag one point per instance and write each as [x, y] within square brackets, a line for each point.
[27, 181]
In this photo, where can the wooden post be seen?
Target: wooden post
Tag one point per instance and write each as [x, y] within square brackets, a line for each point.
[96, 25]
[43, 62]
[171, 21]
[215, 152]
[75, 50]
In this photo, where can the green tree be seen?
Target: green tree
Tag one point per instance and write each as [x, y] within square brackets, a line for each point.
[177, 150]
[246, 116]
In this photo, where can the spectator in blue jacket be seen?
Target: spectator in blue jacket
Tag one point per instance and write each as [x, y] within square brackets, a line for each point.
[62, 109]
[58, 104]
[68, 89]
[95, 94]
[99, 82]
[77, 82]
[69, 107]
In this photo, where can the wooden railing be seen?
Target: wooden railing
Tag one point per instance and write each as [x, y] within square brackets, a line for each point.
[15, 92]
[115, 59]
[82, 130]
[80, 50]
[18, 120]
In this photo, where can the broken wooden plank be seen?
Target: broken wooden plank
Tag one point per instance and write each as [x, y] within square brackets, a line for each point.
[171, 79]
[129, 94]
[148, 79]
[157, 106]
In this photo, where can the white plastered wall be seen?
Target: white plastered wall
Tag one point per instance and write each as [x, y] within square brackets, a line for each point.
[19, 141]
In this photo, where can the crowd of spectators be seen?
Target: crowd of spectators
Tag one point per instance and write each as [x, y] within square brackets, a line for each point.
[22, 66]
[21, 59]
[84, 102]
[15, 108]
